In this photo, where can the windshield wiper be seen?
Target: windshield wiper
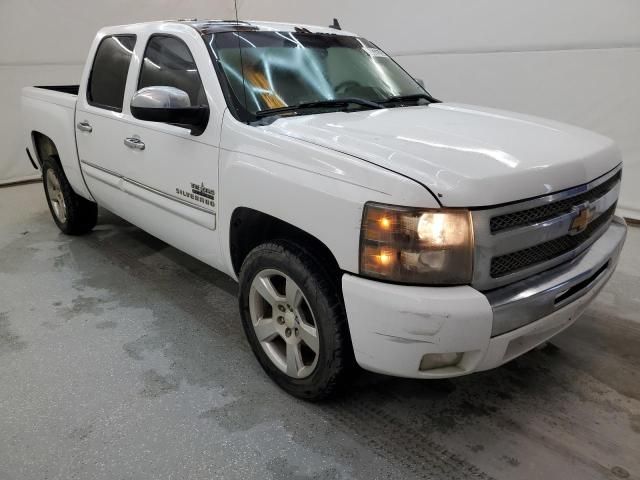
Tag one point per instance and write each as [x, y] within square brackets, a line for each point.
[337, 102]
[408, 98]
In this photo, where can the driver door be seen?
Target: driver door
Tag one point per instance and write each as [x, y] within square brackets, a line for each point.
[172, 175]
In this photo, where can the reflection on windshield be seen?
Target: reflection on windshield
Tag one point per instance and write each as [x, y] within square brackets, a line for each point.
[268, 70]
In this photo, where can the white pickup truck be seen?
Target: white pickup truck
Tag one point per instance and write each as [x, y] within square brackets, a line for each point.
[365, 221]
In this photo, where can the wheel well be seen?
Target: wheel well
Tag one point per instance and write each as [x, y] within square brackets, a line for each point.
[44, 146]
[250, 228]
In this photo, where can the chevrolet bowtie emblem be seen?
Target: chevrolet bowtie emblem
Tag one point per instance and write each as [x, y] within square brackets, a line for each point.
[583, 216]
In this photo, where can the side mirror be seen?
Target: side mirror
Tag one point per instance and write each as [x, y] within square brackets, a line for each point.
[169, 105]
[420, 82]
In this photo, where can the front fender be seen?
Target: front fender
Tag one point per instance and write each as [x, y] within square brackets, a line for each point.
[318, 190]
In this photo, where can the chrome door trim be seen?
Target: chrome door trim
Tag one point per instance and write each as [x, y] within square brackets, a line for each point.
[104, 175]
[166, 195]
[148, 188]
[204, 218]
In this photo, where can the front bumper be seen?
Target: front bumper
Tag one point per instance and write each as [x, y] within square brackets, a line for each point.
[394, 326]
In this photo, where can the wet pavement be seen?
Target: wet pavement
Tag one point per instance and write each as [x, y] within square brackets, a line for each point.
[121, 357]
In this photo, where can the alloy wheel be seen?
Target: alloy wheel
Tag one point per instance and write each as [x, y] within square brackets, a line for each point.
[284, 323]
[56, 197]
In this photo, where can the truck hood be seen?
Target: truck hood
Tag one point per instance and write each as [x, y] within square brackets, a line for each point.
[467, 156]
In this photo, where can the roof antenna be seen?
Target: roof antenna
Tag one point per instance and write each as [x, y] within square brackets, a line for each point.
[244, 82]
[235, 5]
[336, 24]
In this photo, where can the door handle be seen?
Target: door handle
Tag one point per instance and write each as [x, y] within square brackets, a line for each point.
[134, 142]
[85, 126]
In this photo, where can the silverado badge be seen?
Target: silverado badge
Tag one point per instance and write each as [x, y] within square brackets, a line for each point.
[199, 193]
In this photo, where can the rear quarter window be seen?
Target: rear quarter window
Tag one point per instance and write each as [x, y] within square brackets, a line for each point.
[109, 72]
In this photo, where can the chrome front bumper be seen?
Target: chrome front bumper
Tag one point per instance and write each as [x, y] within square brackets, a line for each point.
[526, 301]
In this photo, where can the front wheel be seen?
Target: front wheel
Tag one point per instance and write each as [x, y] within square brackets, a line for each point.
[294, 320]
[73, 214]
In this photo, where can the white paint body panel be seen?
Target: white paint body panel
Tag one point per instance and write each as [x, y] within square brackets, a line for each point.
[316, 172]
[146, 180]
[266, 171]
[392, 327]
[469, 156]
[53, 114]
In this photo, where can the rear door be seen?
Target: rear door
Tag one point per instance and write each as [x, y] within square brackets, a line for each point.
[99, 115]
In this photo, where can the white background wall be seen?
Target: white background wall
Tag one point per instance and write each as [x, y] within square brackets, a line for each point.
[576, 61]
[45, 42]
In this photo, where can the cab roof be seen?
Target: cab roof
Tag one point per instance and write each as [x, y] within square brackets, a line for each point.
[217, 26]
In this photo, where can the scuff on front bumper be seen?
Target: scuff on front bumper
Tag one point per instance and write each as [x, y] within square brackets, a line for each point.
[394, 326]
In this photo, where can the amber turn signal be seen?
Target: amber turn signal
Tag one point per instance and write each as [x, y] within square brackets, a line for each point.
[421, 246]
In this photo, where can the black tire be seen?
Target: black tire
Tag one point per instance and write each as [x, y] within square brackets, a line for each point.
[81, 215]
[335, 356]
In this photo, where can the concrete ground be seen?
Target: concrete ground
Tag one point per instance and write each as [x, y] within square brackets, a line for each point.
[122, 358]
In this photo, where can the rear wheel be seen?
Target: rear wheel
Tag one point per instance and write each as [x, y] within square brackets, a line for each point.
[294, 320]
[72, 214]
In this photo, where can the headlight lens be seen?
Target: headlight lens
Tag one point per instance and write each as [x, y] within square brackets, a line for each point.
[411, 245]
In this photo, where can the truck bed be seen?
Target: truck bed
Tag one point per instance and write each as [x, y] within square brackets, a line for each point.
[71, 89]
[62, 95]
[50, 111]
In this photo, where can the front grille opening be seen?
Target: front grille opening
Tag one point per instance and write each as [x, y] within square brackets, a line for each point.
[512, 262]
[580, 286]
[545, 212]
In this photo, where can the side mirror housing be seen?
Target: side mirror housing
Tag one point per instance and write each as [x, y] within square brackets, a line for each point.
[169, 105]
[420, 82]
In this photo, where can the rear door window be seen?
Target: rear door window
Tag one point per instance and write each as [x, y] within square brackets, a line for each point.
[108, 77]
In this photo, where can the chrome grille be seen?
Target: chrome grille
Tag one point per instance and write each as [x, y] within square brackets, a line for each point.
[521, 239]
[544, 212]
[504, 264]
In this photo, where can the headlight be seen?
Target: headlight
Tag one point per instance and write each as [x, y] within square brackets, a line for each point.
[411, 245]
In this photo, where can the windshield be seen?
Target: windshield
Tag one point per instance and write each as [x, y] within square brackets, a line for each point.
[271, 70]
